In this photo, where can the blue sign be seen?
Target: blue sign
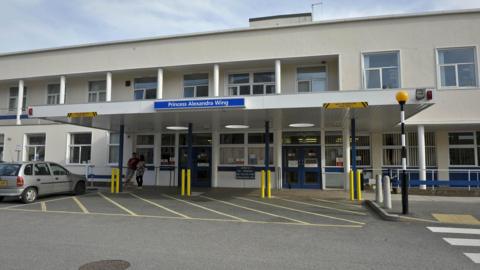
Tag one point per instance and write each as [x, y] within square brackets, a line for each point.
[200, 103]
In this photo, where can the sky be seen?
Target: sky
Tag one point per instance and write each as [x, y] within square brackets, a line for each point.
[37, 24]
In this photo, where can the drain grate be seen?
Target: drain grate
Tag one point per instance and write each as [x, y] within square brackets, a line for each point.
[106, 265]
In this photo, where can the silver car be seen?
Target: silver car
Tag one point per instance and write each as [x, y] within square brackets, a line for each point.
[28, 180]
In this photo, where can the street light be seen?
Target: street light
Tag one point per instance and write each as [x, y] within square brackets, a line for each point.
[402, 97]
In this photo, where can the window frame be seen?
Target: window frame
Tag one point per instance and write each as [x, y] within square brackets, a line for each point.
[71, 144]
[364, 70]
[438, 69]
[310, 81]
[251, 83]
[246, 146]
[473, 146]
[409, 148]
[2, 145]
[56, 96]
[35, 146]
[146, 146]
[110, 145]
[196, 86]
[144, 90]
[96, 92]
[10, 97]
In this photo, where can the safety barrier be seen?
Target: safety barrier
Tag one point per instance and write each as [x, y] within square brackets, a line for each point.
[268, 175]
[115, 181]
[358, 186]
[187, 173]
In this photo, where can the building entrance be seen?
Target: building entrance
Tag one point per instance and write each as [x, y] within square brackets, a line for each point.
[201, 171]
[301, 167]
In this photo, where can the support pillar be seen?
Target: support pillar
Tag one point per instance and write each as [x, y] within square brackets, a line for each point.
[277, 148]
[62, 89]
[216, 80]
[353, 157]
[215, 156]
[160, 83]
[189, 145]
[108, 94]
[120, 155]
[322, 149]
[278, 77]
[346, 153]
[20, 104]
[422, 168]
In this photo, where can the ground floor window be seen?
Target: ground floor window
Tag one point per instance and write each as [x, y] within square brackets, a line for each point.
[392, 149]
[80, 148]
[464, 148]
[333, 149]
[244, 149]
[1, 146]
[167, 152]
[35, 147]
[145, 145]
[113, 148]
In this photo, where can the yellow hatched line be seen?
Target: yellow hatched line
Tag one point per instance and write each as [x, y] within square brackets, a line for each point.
[80, 205]
[117, 204]
[339, 203]
[159, 206]
[326, 207]
[255, 210]
[44, 206]
[302, 211]
[206, 208]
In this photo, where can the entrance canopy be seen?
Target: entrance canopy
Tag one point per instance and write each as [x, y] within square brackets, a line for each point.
[382, 112]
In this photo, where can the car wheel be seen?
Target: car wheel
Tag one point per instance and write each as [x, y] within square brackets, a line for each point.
[29, 195]
[79, 188]
[1, 198]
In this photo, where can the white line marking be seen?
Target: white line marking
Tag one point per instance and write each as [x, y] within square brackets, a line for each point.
[475, 257]
[325, 207]
[44, 206]
[205, 208]
[52, 200]
[160, 206]
[454, 230]
[255, 210]
[80, 205]
[301, 211]
[463, 242]
[339, 203]
[117, 204]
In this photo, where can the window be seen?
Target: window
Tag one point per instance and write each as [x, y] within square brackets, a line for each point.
[2, 137]
[167, 154]
[41, 169]
[462, 148]
[333, 149]
[363, 150]
[392, 149]
[259, 138]
[28, 170]
[235, 138]
[254, 83]
[381, 70]
[97, 91]
[232, 149]
[312, 79]
[13, 100]
[145, 88]
[197, 139]
[301, 138]
[145, 147]
[53, 94]
[457, 67]
[195, 85]
[58, 170]
[80, 148]
[35, 147]
[113, 148]
[256, 149]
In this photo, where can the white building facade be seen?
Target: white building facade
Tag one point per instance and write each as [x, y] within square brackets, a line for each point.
[280, 72]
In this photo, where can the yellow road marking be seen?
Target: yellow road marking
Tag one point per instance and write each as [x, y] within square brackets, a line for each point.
[302, 211]
[159, 206]
[80, 205]
[44, 206]
[191, 218]
[255, 210]
[339, 203]
[206, 208]
[419, 219]
[326, 207]
[117, 204]
[457, 219]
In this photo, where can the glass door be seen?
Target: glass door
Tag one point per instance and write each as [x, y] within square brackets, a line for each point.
[301, 166]
[201, 173]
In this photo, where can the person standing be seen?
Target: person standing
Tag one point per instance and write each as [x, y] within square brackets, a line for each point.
[131, 168]
[140, 171]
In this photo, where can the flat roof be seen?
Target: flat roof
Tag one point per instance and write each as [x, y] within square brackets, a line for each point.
[246, 29]
[294, 15]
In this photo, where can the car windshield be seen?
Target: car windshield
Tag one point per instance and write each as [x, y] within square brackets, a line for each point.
[9, 169]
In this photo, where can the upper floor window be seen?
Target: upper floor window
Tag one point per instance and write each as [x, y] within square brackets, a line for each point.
[35, 147]
[381, 70]
[312, 79]
[457, 67]
[53, 93]
[145, 88]
[97, 91]
[195, 85]
[13, 100]
[80, 148]
[255, 83]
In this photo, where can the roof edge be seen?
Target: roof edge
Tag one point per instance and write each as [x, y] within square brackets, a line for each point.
[283, 16]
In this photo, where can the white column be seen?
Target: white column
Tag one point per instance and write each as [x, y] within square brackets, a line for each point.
[62, 90]
[160, 83]
[422, 168]
[215, 156]
[216, 80]
[19, 101]
[109, 87]
[322, 149]
[346, 153]
[277, 142]
[278, 77]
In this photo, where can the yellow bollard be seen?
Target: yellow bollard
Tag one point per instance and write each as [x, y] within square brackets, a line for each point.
[183, 183]
[262, 185]
[269, 184]
[112, 181]
[189, 182]
[118, 180]
[359, 185]
[352, 194]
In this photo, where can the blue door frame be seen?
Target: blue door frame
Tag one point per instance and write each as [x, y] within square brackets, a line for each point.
[201, 171]
[301, 166]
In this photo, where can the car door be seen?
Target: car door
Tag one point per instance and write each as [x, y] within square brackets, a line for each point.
[62, 181]
[43, 178]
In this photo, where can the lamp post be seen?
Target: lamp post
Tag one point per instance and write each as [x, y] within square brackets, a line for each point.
[402, 98]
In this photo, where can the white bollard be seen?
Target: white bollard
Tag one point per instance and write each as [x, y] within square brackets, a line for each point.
[379, 189]
[387, 196]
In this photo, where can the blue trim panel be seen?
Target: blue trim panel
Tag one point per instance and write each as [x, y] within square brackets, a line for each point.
[12, 116]
[200, 104]
[234, 168]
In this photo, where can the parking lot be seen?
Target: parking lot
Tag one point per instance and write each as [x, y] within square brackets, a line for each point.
[203, 205]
